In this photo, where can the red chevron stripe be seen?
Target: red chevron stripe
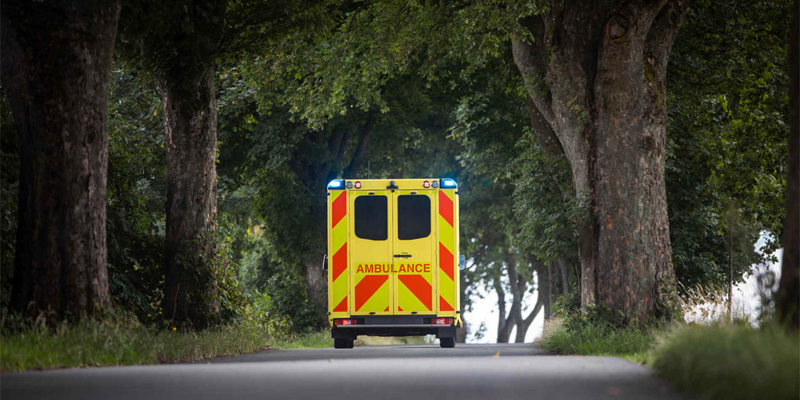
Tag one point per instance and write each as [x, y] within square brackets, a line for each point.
[387, 309]
[339, 261]
[342, 307]
[420, 287]
[367, 287]
[339, 209]
[446, 261]
[446, 207]
[444, 305]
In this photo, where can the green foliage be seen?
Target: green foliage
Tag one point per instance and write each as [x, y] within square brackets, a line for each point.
[288, 311]
[325, 75]
[727, 129]
[545, 204]
[135, 194]
[567, 305]
[733, 362]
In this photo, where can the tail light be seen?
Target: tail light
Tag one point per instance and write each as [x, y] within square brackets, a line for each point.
[342, 322]
[426, 184]
[441, 321]
[358, 184]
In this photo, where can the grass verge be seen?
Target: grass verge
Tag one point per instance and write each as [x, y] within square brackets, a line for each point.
[596, 340]
[733, 362]
[121, 341]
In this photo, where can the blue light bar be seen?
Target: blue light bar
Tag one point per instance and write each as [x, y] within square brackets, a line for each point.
[449, 183]
[336, 184]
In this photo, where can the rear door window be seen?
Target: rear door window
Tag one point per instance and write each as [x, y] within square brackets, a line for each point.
[371, 217]
[413, 217]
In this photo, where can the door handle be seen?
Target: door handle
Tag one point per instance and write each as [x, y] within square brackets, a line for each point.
[402, 255]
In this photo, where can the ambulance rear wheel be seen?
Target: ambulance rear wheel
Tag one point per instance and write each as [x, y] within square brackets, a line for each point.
[343, 343]
[447, 342]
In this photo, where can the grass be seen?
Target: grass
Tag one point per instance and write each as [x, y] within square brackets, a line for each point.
[122, 340]
[730, 362]
[716, 361]
[597, 340]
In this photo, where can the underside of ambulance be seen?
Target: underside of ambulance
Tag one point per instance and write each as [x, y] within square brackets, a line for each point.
[393, 262]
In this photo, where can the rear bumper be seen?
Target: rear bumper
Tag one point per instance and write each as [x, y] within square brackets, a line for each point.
[392, 325]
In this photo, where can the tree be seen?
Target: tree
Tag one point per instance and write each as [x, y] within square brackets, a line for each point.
[596, 72]
[181, 42]
[59, 98]
[789, 290]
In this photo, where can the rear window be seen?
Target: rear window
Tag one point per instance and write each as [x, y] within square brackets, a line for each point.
[413, 217]
[371, 217]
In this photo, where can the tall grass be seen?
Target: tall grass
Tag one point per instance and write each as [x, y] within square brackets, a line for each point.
[730, 362]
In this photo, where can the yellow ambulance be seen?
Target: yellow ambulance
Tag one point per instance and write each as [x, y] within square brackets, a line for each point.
[393, 262]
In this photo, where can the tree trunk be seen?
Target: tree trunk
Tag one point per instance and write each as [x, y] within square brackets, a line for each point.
[542, 300]
[317, 287]
[190, 122]
[525, 324]
[597, 74]
[504, 324]
[789, 290]
[56, 68]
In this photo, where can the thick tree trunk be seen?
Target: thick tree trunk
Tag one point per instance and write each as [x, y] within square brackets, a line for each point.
[190, 112]
[597, 75]
[56, 68]
[789, 290]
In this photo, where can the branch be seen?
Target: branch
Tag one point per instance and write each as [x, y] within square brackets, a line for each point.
[662, 33]
[531, 60]
[544, 132]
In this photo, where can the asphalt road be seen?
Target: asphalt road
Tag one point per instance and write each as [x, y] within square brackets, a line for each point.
[476, 371]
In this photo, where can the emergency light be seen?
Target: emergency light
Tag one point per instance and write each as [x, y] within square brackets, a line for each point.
[449, 183]
[336, 184]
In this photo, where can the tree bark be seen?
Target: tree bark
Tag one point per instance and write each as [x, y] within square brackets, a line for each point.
[789, 289]
[56, 68]
[597, 74]
[190, 122]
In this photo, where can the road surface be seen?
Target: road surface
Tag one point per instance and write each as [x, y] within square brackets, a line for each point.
[477, 371]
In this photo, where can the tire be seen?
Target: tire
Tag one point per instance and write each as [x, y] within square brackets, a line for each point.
[447, 342]
[343, 343]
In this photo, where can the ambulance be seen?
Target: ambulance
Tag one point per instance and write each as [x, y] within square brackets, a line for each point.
[393, 263]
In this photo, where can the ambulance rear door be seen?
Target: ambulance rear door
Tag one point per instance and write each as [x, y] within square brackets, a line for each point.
[371, 252]
[414, 273]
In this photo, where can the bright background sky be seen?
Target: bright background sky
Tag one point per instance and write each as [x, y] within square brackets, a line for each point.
[745, 298]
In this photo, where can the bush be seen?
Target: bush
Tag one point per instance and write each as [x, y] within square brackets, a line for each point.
[733, 362]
